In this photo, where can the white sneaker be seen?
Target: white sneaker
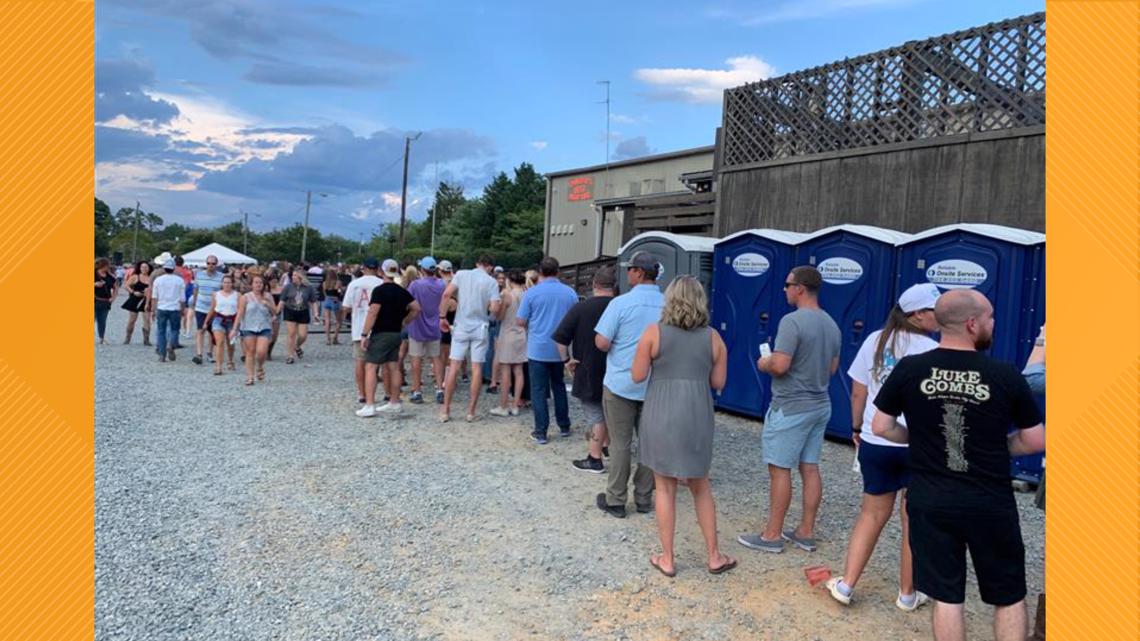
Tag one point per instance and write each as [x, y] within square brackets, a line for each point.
[391, 408]
[500, 411]
[920, 599]
[514, 411]
[833, 587]
[368, 411]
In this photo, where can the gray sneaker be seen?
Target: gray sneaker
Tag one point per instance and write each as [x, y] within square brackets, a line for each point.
[802, 542]
[757, 542]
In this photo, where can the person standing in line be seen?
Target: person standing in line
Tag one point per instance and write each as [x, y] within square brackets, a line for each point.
[617, 333]
[883, 462]
[187, 320]
[296, 299]
[405, 279]
[543, 308]
[1034, 374]
[478, 299]
[687, 359]
[491, 365]
[206, 284]
[315, 275]
[424, 331]
[805, 356]
[254, 321]
[168, 299]
[106, 290]
[587, 364]
[357, 297]
[447, 307]
[220, 320]
[959, 405]
[511, 348]
[330, 307]
[390, 309]
[137, 284]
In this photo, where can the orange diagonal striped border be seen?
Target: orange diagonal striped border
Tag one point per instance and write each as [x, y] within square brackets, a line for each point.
[47, 57]
[1093, 219]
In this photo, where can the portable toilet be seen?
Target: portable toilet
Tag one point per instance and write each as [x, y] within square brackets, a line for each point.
[747, 305]
[676, 253]
[1005, 264]
[857, 263]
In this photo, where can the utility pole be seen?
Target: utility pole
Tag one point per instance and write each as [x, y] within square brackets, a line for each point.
[606, 187]
[305, 233]
[244, 232]
[404, 190]
[435, 209]
[135, 244]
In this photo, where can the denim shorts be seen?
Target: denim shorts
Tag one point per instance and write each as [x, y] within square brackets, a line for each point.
[261, 333]
[220, 324]
[884, 468]
[592, 411]
[791, 439]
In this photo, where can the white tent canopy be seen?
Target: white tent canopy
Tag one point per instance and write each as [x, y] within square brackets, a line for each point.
[226, 256]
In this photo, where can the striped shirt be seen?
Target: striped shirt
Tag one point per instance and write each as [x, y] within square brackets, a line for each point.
[206, 285]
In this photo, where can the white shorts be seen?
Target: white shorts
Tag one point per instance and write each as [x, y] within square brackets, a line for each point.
[471, 345]
[420, 349]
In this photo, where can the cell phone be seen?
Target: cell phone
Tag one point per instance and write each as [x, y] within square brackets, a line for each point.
[765, 350]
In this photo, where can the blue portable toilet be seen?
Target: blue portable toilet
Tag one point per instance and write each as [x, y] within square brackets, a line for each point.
[857, 263]
[747, 305]
[1005, 264]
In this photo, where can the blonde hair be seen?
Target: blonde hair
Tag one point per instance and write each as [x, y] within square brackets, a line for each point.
[531, 278]
[410, 274]
[686, 305]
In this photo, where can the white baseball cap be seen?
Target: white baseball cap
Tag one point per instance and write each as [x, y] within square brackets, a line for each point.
[919, 297]
[390, 267]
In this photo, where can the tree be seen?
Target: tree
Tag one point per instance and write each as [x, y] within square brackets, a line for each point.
[102, 228]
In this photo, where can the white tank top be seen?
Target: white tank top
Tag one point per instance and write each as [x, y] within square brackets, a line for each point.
[226, 305]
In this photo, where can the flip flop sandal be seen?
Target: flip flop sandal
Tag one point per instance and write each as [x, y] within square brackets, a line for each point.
[300, 353]
[260, 374]
[661, 569]
[230, 366]
[724, 568]
[249, 381]
[289, 360]
[217, 372]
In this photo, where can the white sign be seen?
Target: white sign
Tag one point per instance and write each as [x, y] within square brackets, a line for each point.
[750, 265]
[840, 271]
[956, 274]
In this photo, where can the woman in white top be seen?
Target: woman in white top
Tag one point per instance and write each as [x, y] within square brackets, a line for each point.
[883, 462]
[223, 312]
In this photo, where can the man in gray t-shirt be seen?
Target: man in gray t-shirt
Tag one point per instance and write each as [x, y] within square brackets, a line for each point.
[806, 355]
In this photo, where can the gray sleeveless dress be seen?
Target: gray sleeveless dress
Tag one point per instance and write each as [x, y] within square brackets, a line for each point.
[676, 428]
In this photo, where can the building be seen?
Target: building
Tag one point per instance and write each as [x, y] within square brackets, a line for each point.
[592, 211]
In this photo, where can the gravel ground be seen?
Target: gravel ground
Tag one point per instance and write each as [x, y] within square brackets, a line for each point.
[271, 512]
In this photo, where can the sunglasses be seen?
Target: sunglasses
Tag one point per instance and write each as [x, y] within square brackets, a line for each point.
[787, 285]
[211, 264]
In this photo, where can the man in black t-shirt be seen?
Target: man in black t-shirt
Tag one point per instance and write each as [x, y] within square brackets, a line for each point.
[959, 405]
[575, 340]
[390, 309]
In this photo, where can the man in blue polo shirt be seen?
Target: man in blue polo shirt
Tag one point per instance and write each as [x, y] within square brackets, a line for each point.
[207, 282]
[618, 331]
[542, 309]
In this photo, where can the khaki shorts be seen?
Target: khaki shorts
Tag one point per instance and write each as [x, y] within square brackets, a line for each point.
[420, 349]
[357, 353]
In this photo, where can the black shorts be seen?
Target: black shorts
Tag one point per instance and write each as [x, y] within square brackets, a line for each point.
[939, 540]
[383, 347]
[297, 315]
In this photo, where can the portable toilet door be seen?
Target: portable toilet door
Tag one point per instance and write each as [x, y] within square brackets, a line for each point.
[857, 263]
[676, 254]
[1005, 264]
[747, 304]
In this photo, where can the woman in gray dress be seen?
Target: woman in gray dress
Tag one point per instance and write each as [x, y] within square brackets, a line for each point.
[682, 358]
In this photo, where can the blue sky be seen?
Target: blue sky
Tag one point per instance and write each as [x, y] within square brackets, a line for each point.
[207, 108]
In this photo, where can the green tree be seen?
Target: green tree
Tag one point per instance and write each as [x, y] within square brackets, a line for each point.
[102, 228]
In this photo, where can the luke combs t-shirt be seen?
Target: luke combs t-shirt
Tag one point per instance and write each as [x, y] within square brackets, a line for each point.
[959, 407]
[393, 301]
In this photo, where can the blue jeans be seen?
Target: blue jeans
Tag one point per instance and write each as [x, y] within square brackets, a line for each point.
[491, 336]
[167, 321]
[546, 379]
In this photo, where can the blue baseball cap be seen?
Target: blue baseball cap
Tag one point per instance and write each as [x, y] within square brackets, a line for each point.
[427, 262]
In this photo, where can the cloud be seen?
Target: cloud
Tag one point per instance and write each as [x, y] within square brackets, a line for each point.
[802, 10]
[539, 144]
[298, 75]
[300, 131]
[117, 144]
[277, 36]
[119, 92]
[336, 160]
[703, 85]
[632, 148]
[623, 119]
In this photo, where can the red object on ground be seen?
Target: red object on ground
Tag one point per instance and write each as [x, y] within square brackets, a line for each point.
[817, 574]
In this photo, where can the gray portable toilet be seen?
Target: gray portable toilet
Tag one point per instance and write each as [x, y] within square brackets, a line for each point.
[676, 253]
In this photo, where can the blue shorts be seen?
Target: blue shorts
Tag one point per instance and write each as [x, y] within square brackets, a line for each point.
[885, 468]
[220, 324]
[331, 304]
[790, 439]
[263, 333]
[200, 317]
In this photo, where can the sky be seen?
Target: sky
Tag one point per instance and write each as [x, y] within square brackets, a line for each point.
[206, 109]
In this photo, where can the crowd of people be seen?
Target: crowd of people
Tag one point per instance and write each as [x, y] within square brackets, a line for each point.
[932, 418]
